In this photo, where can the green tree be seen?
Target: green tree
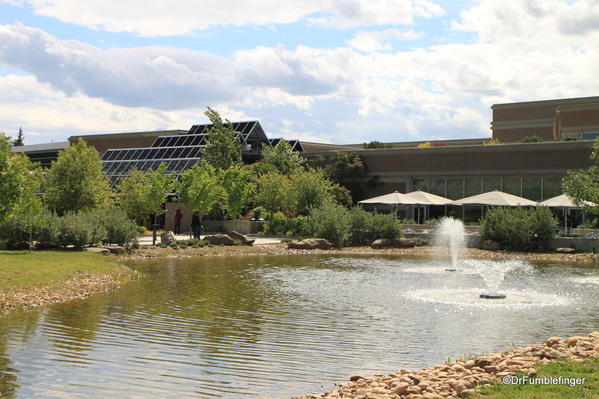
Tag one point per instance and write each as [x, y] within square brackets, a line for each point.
[75, 181]
[199, 188]
[11, 180]
[20, 137]
[29, 206]
[282, 157]
[131, 195]
[310, 188]
[273, 192]
[237, 189]
[223, 147]
[348, 170]
[376, 144]
[531, 139]
[158, 184]
[583, 185]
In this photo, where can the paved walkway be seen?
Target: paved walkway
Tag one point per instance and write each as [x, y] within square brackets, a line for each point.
[260, 240]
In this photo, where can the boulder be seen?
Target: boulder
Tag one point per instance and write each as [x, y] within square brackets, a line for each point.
[393, 243]
[240, 237]
[219, 239]
[489, 245]
[167, 238]
[310, 243]
[103, 251]
[565, 250]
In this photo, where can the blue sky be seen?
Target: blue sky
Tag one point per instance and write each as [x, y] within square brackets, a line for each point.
[329, 70]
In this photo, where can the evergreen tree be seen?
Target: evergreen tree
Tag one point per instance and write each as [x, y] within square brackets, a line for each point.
[20, 137]
[75, 181]
[223, 147]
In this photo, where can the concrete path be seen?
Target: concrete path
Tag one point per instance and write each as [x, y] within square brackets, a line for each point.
[260, 240]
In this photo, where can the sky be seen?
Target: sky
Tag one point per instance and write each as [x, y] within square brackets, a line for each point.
[338, 71]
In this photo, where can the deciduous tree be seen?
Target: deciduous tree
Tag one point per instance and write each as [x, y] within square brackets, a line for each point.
[223, 147]
[237, 189]
[199, 188]
[75, 181]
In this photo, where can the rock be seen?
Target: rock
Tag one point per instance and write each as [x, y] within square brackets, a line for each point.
[96, 250]
[482, 362]
[489, 245]
[393, 243]
[356, 378]
[219, 239]
[240, 237]
[552, 341]
[467, 393]
[116, 250]
[565, 250]
[310, 243]
[573, 341]
[401, 388]
[167, 238]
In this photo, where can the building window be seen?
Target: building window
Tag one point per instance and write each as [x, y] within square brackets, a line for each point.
[512, 185]
[532, 188]
[491, 183]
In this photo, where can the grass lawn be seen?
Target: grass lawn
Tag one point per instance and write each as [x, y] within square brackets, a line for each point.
[21, 270]
[589, 389]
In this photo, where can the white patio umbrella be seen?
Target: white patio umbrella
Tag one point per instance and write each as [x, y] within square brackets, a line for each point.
[395, 199]
[425, 198]
[566, 202]
[495, 198]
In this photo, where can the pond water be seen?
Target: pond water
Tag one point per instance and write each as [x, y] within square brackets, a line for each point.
[281, 326]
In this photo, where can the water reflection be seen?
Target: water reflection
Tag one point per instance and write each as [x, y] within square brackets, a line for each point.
[274, 326]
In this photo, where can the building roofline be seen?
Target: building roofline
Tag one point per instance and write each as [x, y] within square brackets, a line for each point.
[541, 102]
[149, 132]
[61, 145]
[542, 146]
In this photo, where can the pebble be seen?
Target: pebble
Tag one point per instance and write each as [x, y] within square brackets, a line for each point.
[460, 379]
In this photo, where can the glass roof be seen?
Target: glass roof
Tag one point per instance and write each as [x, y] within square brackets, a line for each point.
[180, 152]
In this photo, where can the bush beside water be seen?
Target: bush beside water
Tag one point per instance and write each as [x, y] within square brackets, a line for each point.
[108, 226]
[519, 229]
[355, 226]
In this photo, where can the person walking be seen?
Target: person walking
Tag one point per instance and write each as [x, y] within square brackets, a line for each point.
[196, 225]
[178, 218]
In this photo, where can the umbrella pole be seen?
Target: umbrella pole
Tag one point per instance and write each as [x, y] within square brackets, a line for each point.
[566, 213]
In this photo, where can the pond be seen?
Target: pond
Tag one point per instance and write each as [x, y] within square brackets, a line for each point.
[280, 326]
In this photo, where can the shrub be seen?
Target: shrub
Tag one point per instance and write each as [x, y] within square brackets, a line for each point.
[360, 226]
[119, 228]
[279, 225]
[531, 139]
[77, 230]
[331, 222]
[384, 226]
[519, 229]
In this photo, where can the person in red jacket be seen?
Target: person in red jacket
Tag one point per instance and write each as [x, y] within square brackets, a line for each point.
[178, 218]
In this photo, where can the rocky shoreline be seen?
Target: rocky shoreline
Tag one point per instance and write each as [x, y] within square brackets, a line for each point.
[282, 249]
[459, 379]
[80, 286]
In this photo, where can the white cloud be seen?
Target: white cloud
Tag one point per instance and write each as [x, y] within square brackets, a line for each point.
[378, 40]
[49, 114]
[165, 18]
[522, 51]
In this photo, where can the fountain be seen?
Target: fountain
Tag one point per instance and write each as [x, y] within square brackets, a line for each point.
[451, 234]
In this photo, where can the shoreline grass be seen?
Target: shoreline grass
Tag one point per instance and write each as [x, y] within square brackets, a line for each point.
[29, 279]
[587, 370]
